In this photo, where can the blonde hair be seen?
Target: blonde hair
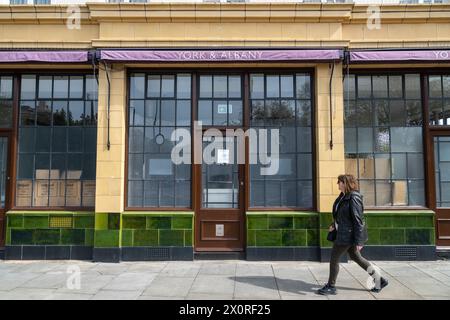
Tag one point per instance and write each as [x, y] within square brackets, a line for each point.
[349, 181]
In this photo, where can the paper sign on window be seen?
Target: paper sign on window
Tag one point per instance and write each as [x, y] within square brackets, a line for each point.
[222, 108]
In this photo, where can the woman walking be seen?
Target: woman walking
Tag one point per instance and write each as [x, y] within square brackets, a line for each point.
[348, 232]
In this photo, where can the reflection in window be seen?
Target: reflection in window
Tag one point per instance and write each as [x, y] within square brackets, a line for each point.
[6, 102]
[57, 141]
[220, 100]
[158, 105]
[283, 102]
[383, 148]
[439, 100]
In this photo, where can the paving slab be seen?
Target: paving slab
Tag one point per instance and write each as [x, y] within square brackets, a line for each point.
[130, 281]
[167, 286]
[117, 295]
[213, 285]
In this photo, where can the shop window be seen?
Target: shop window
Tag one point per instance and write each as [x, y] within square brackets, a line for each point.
[383, 137]
[283, 102]
[6, 102]
[158, 105]
[220, 100]
[439, 100]
[57, 141]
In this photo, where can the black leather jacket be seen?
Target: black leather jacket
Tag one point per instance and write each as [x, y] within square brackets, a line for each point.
[348, 212]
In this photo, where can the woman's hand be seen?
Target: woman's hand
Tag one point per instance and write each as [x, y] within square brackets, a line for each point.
[331, 228]
[359, 248]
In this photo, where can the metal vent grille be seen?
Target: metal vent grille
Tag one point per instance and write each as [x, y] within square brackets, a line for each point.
[61, 222]
[158, 253]
[406, 252]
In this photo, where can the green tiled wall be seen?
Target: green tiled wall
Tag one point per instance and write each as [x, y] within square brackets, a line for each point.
[281, 229]
[107, 230]
[154, 230]
[33, 228]
[391, 228]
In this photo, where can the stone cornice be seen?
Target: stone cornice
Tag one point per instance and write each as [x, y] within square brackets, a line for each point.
[230, 12]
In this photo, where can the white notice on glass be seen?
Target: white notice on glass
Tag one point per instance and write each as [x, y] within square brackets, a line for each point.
[220, 230]
[223, 156]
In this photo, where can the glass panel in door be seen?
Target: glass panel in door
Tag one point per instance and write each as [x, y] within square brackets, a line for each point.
[220, 179]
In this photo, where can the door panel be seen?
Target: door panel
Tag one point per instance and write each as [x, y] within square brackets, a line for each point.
[220, 218]
[441, 146]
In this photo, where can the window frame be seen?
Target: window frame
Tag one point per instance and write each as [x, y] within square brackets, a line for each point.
[15, 141]
[426, 127]
[195, 170]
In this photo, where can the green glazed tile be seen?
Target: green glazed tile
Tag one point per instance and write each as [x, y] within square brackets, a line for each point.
[181, 223]
[171, 238]
[419, 236]
[145, 238]
[187, 238]
[37, 222]
[323, 239]
[131, 222]
[379, 221]
[325, 220]
[21, 236]
[47, 236]
[374, 236]
[312, 238]
[404, 222]
[392, 236]
[251, 238]
[425, 222]
[268, 238]
[127, 238]
[258, 222]
[113, 221]
[159, 222]
[89, 237]
[73, 236]
[15, 221]
[281, 222]
[84, 222]
[306, 222]
[106, 238]
[294, 238]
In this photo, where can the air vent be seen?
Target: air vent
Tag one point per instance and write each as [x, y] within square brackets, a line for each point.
[406, 252]
[158, 253]
[61, 222]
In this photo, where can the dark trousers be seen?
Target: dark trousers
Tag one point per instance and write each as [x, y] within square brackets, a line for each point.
[337, 252]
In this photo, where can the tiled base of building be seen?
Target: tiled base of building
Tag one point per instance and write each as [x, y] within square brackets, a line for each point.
[284, 254]
[23, 252]
[386, 253]
[143, 254]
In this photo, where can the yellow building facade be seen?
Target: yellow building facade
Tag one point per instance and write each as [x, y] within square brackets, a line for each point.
[409, 58]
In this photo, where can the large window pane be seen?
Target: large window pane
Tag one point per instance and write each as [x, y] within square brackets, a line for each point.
[287, 108]
[137, 86]
[152, 181]
[57, 141]
[383, 148]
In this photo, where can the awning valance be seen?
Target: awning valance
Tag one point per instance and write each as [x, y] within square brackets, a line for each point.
[400, 55]
[44, 56]
[220, 55]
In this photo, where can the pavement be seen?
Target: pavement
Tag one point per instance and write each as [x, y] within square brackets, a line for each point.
[215, 280]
